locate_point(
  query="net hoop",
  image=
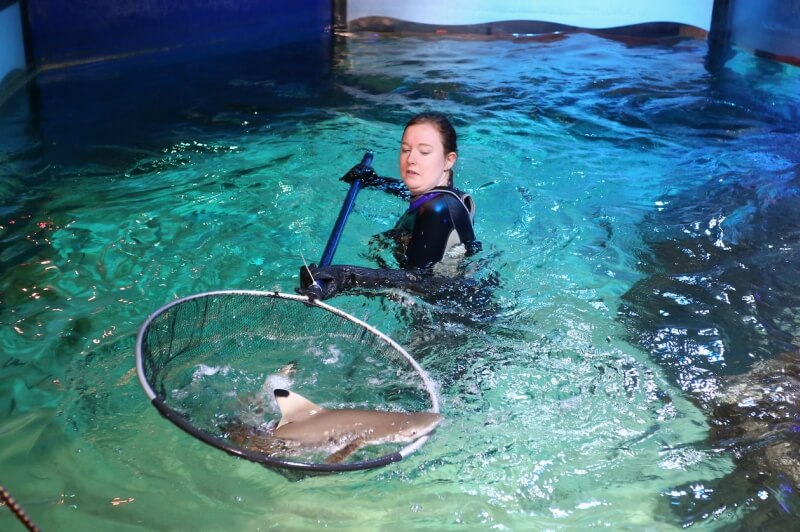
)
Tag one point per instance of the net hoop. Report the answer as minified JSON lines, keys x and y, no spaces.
{"x":262,"y":458}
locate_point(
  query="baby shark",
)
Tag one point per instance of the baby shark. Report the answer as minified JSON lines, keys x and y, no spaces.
{"x":307,"y":426}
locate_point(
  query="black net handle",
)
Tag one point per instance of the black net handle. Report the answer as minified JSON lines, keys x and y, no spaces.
{"x":356,"y":174}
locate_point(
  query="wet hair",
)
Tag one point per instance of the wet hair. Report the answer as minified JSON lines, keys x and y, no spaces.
{"x":446,"y":131}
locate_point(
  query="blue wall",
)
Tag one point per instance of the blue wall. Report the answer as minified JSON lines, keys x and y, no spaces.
{"x":63,"y":32}
{"x":78,"y":31}
{"x":12,"y":50}
{"x":142,"y":72}
{"x":769,"y":27}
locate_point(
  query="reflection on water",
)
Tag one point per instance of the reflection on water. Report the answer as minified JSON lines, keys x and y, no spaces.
{"x":638,"y":216}
{"x":718,"y":308}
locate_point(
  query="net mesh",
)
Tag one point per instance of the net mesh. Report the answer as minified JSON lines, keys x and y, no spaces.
{"x":212,"y":361}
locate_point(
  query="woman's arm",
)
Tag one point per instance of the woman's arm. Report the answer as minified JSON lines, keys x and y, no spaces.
{"x":392,"y":186}
{"x":334,"y":279}
{"x":370,"y":179}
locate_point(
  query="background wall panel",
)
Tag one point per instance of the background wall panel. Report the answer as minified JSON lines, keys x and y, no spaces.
{"x":12,"y":49}
{"x":65,"y":31}
{"x":580,"y":13}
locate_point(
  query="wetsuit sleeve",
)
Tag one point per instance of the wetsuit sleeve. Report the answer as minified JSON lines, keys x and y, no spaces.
{"x":337,"y":278}
{"x":433,"y":226}
{"x":391,"y":185}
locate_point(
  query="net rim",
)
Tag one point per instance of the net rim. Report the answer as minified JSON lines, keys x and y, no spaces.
{"x":256,"y":456}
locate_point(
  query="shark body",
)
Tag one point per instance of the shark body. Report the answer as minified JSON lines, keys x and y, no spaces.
{"x":340,"y":432}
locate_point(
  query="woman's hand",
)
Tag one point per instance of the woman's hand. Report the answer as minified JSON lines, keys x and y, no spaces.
{"x":320,"y":283}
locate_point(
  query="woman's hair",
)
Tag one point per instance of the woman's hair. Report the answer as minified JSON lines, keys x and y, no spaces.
{"x":445,"y":129}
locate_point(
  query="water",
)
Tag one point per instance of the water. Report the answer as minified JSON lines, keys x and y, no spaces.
{"x":638,"y":216}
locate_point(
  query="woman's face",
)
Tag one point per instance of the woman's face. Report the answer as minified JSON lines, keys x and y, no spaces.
{"x":423,"y":162}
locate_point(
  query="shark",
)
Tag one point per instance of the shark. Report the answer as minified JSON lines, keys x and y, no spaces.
{"x":306,"y":426}
{"x":253,"y":408}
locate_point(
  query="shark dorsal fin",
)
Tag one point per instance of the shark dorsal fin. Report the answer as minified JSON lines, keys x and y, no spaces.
{"x":294,"y":407}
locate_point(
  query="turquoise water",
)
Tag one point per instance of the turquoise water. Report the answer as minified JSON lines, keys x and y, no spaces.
{"x":638,"y":216}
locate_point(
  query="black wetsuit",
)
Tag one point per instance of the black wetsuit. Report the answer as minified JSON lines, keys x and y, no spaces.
{"x":433,"y":223}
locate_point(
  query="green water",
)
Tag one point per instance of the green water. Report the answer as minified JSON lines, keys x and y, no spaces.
{"x":553,"y":419}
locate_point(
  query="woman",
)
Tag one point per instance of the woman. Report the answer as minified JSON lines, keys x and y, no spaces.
{"x":439,"y":216}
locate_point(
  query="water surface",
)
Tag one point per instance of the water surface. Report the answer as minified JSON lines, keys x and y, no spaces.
{"x":639,"y":228}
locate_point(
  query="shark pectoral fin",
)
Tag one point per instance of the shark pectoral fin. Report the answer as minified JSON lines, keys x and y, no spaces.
{"x":344,"y":452}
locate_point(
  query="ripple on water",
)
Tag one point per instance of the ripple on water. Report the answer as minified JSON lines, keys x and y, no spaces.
{"x":599,"y":169}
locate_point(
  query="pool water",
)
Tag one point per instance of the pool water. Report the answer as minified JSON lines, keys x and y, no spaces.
{"x":640,"y":233}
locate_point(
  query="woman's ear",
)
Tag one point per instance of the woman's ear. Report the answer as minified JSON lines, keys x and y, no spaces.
{"x":450,"y":160}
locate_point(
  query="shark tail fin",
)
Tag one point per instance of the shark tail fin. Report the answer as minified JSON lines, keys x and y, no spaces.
{"x":294,"y":407}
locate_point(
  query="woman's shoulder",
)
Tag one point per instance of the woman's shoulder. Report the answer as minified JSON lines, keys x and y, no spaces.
{"x":451,"y":194}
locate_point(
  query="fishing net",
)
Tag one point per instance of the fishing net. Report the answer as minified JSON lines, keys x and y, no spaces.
{"x":209,"y":363}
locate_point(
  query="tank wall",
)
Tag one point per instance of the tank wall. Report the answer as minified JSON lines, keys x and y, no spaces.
{"x":771,"y":27}
{"x":579,"y":13}
{"x":69,"y":31}
{"x":12,"y":49}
